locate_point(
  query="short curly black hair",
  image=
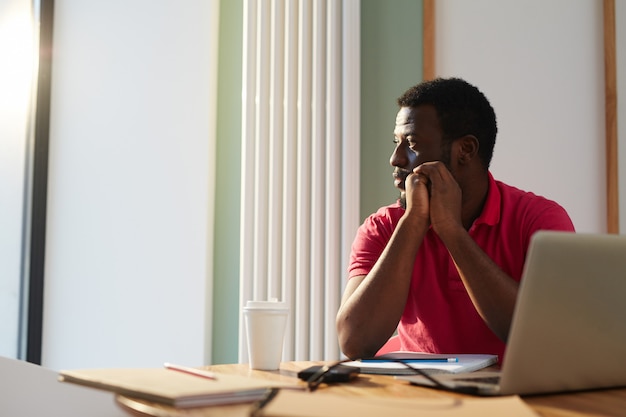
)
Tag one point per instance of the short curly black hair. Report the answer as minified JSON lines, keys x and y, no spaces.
{"x":462,"y":110}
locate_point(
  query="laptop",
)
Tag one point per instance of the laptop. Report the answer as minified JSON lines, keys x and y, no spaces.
{"x":569,"y":326}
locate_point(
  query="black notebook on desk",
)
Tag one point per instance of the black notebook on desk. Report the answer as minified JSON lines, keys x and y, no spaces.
{"x":569,"y":326}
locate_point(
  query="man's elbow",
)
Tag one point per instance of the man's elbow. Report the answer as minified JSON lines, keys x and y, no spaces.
{"x":350,"y":349}
{"x":350,"y":343}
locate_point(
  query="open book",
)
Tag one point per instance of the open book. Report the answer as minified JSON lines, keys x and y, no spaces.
{"x":388,"y":364}
{"x":174,"y":388}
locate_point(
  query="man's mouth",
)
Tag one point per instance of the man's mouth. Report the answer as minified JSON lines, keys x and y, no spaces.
{"x":399,"y":175}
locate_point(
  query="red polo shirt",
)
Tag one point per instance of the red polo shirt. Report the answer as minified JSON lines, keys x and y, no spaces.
{"x":439,"y":315}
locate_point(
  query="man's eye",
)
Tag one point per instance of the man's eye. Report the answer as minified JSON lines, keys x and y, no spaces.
{"x":409,"y":141}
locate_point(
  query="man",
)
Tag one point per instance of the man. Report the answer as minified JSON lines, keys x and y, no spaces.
{"x":442,"y":266}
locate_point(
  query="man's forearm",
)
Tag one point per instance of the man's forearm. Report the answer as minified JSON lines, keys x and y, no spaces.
{"x":492,"y":291}
{"x":373,"y":305}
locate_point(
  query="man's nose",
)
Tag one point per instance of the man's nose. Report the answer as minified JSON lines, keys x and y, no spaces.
{"x":401,"y":157}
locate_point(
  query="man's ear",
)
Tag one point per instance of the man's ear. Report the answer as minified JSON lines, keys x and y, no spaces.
{"x":467,"y":149}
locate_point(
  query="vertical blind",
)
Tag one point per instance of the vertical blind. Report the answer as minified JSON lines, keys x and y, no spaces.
{"x":300,"y":146}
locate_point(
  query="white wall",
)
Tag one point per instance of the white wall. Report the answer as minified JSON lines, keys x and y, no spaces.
{"x":16,"y":71}
{"x":130,"y":209}
{"x":541,"y":65}
{"x":130,"y":214}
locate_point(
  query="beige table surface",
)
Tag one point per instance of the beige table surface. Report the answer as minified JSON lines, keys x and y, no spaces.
{"x":611,"y":402}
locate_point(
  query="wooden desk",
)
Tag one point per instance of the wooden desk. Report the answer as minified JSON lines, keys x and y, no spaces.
{"x":604,"y":403}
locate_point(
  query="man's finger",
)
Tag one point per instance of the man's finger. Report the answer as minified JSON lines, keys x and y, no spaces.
{"x":431,"y":169}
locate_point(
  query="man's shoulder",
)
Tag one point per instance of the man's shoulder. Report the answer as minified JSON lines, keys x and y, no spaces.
{"x":520,"y":205}
{"x":385,"y":218}
{"x":392,"y":211}
{"x":517,"y":195}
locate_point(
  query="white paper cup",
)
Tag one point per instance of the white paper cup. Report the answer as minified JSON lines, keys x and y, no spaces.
{"x":265,"y":329}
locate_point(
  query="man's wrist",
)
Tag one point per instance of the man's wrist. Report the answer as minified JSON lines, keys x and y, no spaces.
{"x":414,"y":222}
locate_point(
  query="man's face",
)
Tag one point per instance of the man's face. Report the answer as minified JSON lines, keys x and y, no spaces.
{"x":418,"y":139}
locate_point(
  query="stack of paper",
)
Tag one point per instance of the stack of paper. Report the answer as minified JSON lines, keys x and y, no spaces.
{"x":174,"y":388}
{"x":455,"y":363}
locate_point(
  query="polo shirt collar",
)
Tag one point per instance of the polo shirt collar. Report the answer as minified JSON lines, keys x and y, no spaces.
{"x":491,"y":211}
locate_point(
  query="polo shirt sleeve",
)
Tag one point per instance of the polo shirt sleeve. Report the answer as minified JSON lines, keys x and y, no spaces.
{"x":551,"y":216}
{"x":372,"y":238}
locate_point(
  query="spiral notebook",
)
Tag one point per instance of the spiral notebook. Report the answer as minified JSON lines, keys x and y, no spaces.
{"x":388,"y":364}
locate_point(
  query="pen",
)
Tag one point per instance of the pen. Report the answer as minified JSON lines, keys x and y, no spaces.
{"x":190,"y":371}
{"x":417,"y":360}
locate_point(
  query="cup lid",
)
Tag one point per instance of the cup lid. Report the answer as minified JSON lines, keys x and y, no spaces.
{"x":271,"y":304}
